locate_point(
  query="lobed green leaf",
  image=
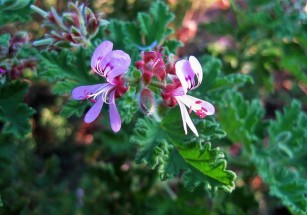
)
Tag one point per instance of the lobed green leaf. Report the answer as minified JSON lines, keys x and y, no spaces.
{"x":285,"y":172}
{"x":13,"y":112}
{"x":164,"y":147}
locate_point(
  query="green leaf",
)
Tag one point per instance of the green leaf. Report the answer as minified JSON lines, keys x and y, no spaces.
{"x":127,"y":105}
{"x":160,"y":17}
{"x":1,"y":203}
{"x":165,"y":147}
{"x":141,"y":33}
{"x":285,"y":172}
{"x":172,"y":45}
{"x":66,"y":69}
{"x":293,"y":60}
{"x":11,"y":11}
{"x":241,"y":119}
{"x":13,"y":112}
{"x":4,"y":40}
{"x":210,"y":165}
{"x":73,"y":107}
{"x":116,"y":29}
{"x":215,"y":80}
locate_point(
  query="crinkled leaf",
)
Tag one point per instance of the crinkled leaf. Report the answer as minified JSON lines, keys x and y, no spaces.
{"x":73,"y":107}
{"x":11,"y":11}
{"x":66,"y":69}
{"x":127,"y":105}
{"x":172,"y":45}
{"x":285,"y":172}
{"x":294,"y":61}
{"x":215,"y":80}
{"x":241,"y":119}
{"x":160,"y":17}
{"x":13,"y":112}
{"x":139,"y":35}
{"x":165,"y":147}
{"x":4,"y":40}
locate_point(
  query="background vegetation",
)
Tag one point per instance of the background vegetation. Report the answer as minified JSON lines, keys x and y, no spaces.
{"x":253,"y":54}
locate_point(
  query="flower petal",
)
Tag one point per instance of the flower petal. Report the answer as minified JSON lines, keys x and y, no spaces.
{"x":186,"y":118}
{"x":93,"y":113}
{"x":115,"y":119}
{"x":182,"y":73}
{"x":197,"y":69}
{"x":178,"y":92}
{"x":114,"y":64}
{"x":80,"y":93}
{"x":100,"y":52}
{"x":186,"y":71}
{"x":191,"y":101}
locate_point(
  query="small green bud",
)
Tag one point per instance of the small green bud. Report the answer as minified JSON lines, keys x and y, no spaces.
{"x":147,"y":102}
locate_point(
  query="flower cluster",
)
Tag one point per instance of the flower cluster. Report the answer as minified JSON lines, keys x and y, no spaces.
{"x":11,"y":66}
{"x":174,"y":79}
{"x":74,"y":28}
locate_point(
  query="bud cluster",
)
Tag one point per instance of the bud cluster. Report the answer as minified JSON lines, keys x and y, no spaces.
{"x":11,"y":67}
{"x":156,"y":69}
{"x":74,"y":28}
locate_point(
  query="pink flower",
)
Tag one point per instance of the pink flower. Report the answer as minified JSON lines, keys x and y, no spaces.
{"x":187,"y":71}
{"x":110,"y":65}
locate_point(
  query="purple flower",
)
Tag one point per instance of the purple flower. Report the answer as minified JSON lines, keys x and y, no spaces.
{"x":110,"y":65}
{"x":187,"y":71}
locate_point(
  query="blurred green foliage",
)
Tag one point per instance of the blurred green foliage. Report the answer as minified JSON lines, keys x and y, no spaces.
{"x":67,"y":167}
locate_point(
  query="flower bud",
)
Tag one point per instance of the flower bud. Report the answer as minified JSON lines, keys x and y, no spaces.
{"x":149,"y":56}
{"x":19,"y":39}
{"x":54,"y":18}
{"x":166,"y":94}
{"x":89,"y":15}
{"x":170,"y":69}
{"x":73,"y":6}
{"x":75,"y":31}
{"x":3,"y":51}
{"x":139,"y":64}
{"x":29,"y":63}
{"x":147,"y":76}
{"x":147,"y":102}
{"x":122,"y":88}
{"x":71,"y":19}
{"x":92,"y":27}
{"x":16,"y":72}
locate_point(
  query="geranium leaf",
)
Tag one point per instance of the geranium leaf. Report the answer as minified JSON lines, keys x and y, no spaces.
{"x":13,"y":112}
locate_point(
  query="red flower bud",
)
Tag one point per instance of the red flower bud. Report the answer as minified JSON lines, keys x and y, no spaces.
{"x":71,"y":19}
{"x":19,"y":38}
{"x":170,"y":69}
{"x":92,"y":26}
{"x":121,"y":87}
{"x":149,"y":56}
{"x":54,"y":18}
{"x":139,"y":64}
{"x":89,"y":15}
{"x":147,"y":76}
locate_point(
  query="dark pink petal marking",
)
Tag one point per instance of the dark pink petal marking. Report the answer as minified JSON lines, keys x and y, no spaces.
{"x":100,"y":52}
